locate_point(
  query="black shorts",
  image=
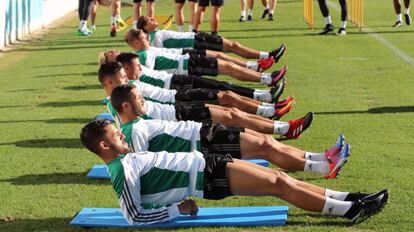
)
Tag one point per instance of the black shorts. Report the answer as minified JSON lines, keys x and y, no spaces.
{"x":182,"y":1}
{"x":194,"y":112}
{"x":208,"y":41}
{"x":136,"y":1}
{"x":213,"y":2}
{"x":216,"y":183}
{"x":220,"y":139}
{"x":201,"y":52}
{"x":201,"y":65}
{"x":197,"y":96}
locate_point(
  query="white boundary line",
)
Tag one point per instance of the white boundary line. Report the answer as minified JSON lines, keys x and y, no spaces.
{"x":382,"y":40}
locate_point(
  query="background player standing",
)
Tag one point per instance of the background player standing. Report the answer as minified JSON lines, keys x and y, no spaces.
{"x":329,"y":26}
{"x":397,"y":8}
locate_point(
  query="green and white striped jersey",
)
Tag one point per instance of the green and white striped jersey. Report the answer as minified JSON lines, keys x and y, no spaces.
{"x":157,"y":78}
{"x":154,"y":93}
{"x":156,"y":178}
{"x":165,"y":59}
{"x":171,"y":39}
{"x":158,"y":135}
{"x":153,"y":110}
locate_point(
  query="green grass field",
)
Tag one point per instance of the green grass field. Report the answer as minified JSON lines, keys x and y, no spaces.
{"x":355,"y":84}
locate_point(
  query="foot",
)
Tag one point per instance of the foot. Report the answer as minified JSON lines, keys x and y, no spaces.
{"x":242,"y":19}
{"x":120,"y":24}
{"x":397,"y":24}
{"x":282,"y":108}
{"x":341,"y":31}
{"x":270,"y":18}
{"x":278,"y":75}
{"x":249,"y":18}
{"x":335,"y":149}
{"x":355,"y":196}
{"x":92,"y":29}
{"x":367,"y":207}
{"x":338,"y":161}
{"x":265,"y":64}
{"x":296,"y":127}
{"x":83,"y":32}
{"x":113,"y":30}
{"x":407,"y":18}
{"x":328,"y":28}
{"x":277,"y":91}
{"x":278,"y":53}
{"x":265,"y":12}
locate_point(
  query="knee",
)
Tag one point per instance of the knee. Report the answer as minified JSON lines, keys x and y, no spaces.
{"x":227,"y":95}
{"x":235,"y":45}
{"x":235,"y":113}
{"x":284,"y":185}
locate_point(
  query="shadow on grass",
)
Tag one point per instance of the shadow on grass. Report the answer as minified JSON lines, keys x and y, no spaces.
{"x":71,"y":103}
{"x":377,"y":110}
{"x":21,"y":90}
{"x":68,"y":74}
{"x":55,"y":178}
{"x":47,"y":143}
{"x":82,"y":87}
{"x":58,"y":48}
{"x":54,"y":120}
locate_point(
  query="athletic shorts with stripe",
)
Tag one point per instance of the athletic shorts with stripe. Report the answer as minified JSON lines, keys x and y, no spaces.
{"x":213,"y":2}
{"x":194,"y":112}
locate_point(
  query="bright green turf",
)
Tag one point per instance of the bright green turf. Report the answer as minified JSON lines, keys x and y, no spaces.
{"x":354,"y":84}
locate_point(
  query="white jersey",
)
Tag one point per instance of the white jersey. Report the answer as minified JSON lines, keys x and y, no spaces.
{"x":156,"y":178}
{"x":165,"y":59}
{"x":171,"y":39}
{"x":161,"y":79}
{"x":154,"y":93}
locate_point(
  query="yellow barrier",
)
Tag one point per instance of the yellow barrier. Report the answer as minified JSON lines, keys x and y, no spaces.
{"x":356,"y":12}
{"x":308,"y":12}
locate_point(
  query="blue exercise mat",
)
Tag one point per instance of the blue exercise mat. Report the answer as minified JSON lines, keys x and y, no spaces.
{"x":99,"y":171}
{"x":106,"y":116}
{"x":226,"y":216}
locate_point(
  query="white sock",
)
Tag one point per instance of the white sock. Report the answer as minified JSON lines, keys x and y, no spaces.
{"x":315,"y":156}
{"x":267,"y":6}
{"x":335,"y":207}
{"x":190,"y":28}
{"x":399,"y":17}
{"x":343,"y":24}
{"x":407,"y":11}
{"x":134,"y":25}
{"x":265,"y":111}
{"x":340,"y":196}
{"x":271,"y":12}
{"x":113,"y":20}
{"x":81,"y":23}
{"x":262,"y":96}
{"x":92,"y":27}
{"x":268,"y":104}
{"x":264,"y":55}
{"x":180,"y":28}
{"x":253,"y":65}
{"x":280,"y":128}
{"x":328,"y":20}
{"x":243,"y":14}
{"x":117,"y":17}
{"x":250,"y":12}
{"x":321,"y":167}
{"x":266,"y":79}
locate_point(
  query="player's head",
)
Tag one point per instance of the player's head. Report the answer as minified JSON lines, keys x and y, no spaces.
{"x":131,"y":65}
{"x":128,"y":101}
{"x":137,"y":39}
{"x":108,"y":56}
{"x":102,"y":138}
{"x":147,"y":24}
{"x":111,"y":75}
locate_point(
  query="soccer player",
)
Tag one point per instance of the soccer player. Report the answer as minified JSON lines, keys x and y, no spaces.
{"x":270,"y":9}
{"x":215,"y":15}
{"x":397,"y":8}
{"x":179,"y":14}
{"x":83,"y":12}
{"x":243,"y":4}
{"x":200,"y":40}
{"x":157,"y":135}
{"x":169,"y":178}
{"x":112,"y":75}
{"x":197,"y":62}
{"x":137,"y":10}
{"x":329,"y":26}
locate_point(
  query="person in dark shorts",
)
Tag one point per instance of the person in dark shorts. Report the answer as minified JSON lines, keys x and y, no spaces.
{"x":179,"y":14}
{"x":167,"y":179}
{"x":215,"y":15}
{"x":137,"y":10}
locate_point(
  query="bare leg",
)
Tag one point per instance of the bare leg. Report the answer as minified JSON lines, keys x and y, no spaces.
{"x":215,"y":19}
{"x":264,"y":3}
{"x":236,"y":48}
{"x":179,"y":14}
{"x":193,"y":11}
{"x":137,"y":11}
{"x":150,"y":9}
{"x":284,"y":156}
{"x":406,"y":4}
{"x":222,"y":56}
{"x":272,"y":5}
{"x":397,"y":6}
{"x":231,"y":99}
{"x":116,"y":7}
{"x":240,"y":73}
{"x":93,"y":9}
{"x":198,"y":17}
{"x":249,"y":180}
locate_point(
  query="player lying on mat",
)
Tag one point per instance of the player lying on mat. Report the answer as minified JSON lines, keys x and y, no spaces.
{"x":158,"y":135}
{"x":201,"y":40}
{"x":169,"y":178}
{"x":196,"y":62}
{"x":162,"y":79}
{"x":112,"y":75}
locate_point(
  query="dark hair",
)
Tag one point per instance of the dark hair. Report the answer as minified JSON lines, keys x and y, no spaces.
{"x":132,"y":35}
{"x":92,"y":133}
{"x":108,"y":69}
{"x":126,"y":58}
{"x":121,"y":94}
{"x":142,"y":22}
